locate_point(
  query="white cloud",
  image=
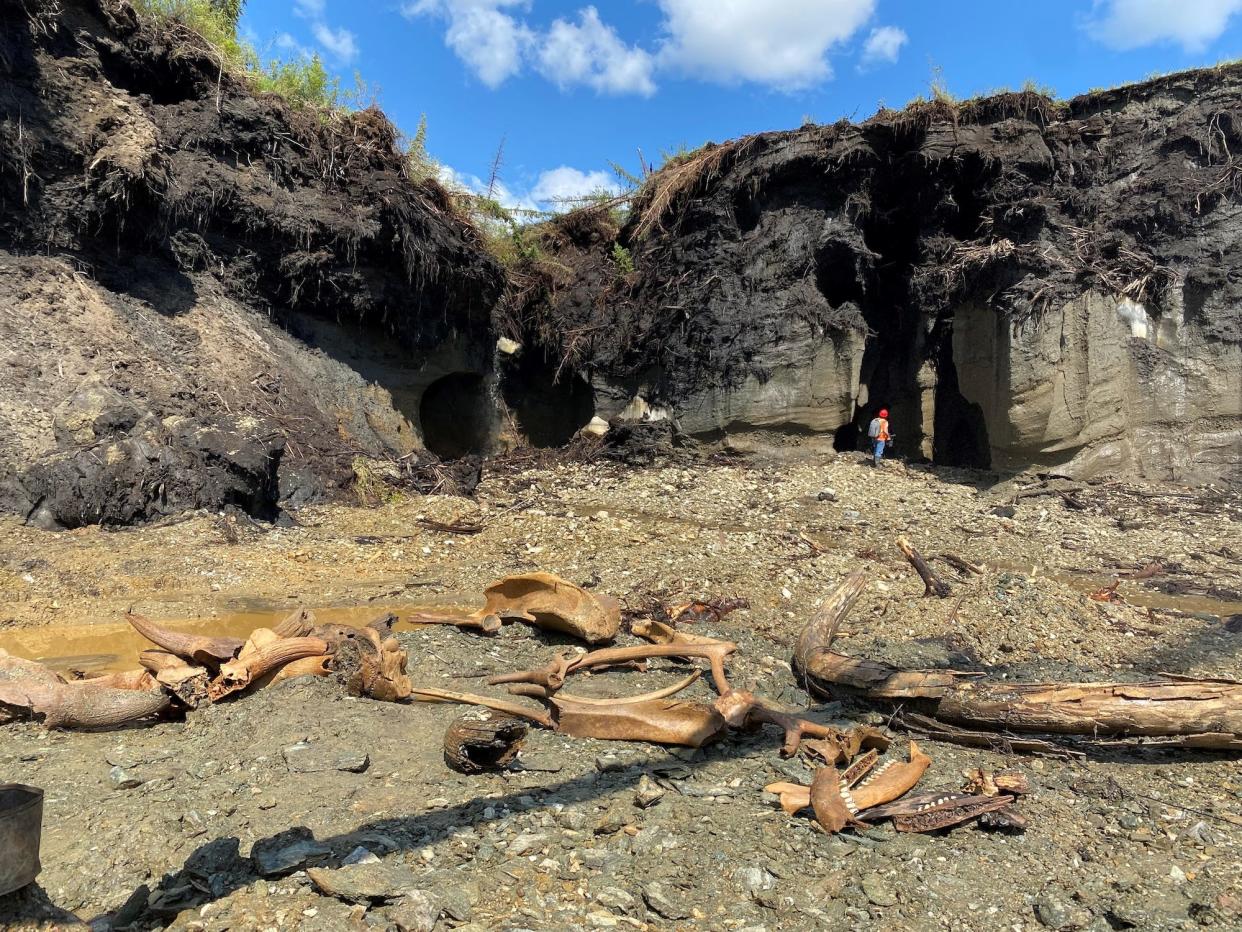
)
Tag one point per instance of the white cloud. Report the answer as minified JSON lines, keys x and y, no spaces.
{"x":454,"y":180}
{"x":287,"y":43}
{"x":554,"y":190}
{"x":782,"y":43}
{"x":591,"y":53}
{"x":491,"y":42}
{"x":778,"y":43}
{"x":560,"y":187}
{"x":1131,"y":24}
{"x":339,"y":43}
{"x":310,"y":9}
{"x":883,"y":46}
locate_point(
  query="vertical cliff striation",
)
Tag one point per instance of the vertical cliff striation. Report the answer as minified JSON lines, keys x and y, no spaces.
{"x":1024,"y":283}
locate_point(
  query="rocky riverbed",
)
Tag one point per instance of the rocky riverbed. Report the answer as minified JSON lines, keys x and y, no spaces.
{"x":302,"y":808}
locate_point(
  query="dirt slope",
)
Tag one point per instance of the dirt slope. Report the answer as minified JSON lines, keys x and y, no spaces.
{"x":1023,"y":282}
{"x":206,"y":298}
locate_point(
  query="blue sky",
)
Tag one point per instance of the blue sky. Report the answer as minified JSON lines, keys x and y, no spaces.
{"x":569,"y":86}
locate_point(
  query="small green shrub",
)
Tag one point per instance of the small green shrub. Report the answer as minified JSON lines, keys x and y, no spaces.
{"x":623,"y":259}
{"x":939,"y":87}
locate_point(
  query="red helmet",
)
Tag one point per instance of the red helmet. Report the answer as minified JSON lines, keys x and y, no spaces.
{"x":884,"y":412}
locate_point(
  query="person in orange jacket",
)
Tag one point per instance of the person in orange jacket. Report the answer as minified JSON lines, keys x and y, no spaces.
{"x":880,"y":436}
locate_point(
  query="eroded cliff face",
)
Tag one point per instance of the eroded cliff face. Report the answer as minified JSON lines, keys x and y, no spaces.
{"x":207,"y":298}
{"x":1022,"y":283}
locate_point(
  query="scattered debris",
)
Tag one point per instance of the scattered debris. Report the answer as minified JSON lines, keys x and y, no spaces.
{"x":933,"y":584}
{"x":1108,"y":593}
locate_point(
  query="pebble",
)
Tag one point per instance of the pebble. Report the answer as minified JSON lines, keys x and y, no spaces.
{"x":527,"y":844}
{"x":878,"y":891}
{"x":648,"y":793}
{"x":372,"y":882}
{"x":123,"y":779}
{"x":273,"y":857}
{"x":414,"y":912}
{"x":664,"y":901}
{"x":1051,"y":912}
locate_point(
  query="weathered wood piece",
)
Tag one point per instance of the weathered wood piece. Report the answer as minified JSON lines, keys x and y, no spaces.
{"x":1210,"y":711}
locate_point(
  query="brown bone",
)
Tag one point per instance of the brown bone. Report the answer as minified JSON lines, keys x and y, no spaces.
{"x":544,"y":600}
{"x":716,"y":654}
{"x":742,"y":709}
{"x":660,"y":721}
{"x":831,"y":811}
{"x":195,"y":647}
{"x":307,"y":666}
{"x":536,"y":691}
{"x":551,"y":676}
{"x":257,"y":661}
{"x":431,"y":694}
{"x":29,"y":690}
{"x":950,"y":812}
{"x":658,"y":632}
{"x":297,"y":625}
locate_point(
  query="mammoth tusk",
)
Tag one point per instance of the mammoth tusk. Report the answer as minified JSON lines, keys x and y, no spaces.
{"x":193,"y":647}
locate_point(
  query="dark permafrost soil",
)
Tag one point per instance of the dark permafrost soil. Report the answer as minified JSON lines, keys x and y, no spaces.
{"x":171,"y":824}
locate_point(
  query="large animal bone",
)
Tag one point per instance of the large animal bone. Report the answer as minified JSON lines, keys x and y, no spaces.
{"x":482,"y":739}
{"x":658,"y":632}
{"x":742,"y":709}
{"x":194,"y":647}
{"x":836,"y":799}
{"x":127,"y":679}
{"x":367,"y":662}
{"x":550,"y":676}
{"x":262,"y":654}
{"x":536,"y":691}
{"x":660,"y":721}
{"x":29,"y":690}
{"x":1207,"y":710}
{"x":715,"y":653}
{"x":431,"y":694}
{"x":544,"y":600}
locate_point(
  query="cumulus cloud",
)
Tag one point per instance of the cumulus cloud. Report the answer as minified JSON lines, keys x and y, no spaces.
{"x":495,"y":44}
{"x":778,"y":43}
{"x":1131,"y":24}
{"x":554,"y":190}
{"x":591,"y":53}
{"x":883,"y":46}
{"x":782,"y":43}
{"x":561,"y":187}
{"x":490,"y":41}
{"x":339,"y":43}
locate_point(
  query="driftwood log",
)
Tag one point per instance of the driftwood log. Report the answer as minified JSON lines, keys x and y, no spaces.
{"x":932,"y":584}
{"x":1205,"y":711}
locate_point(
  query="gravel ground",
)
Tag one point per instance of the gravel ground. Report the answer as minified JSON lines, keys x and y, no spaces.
{"x":348,"y":807}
